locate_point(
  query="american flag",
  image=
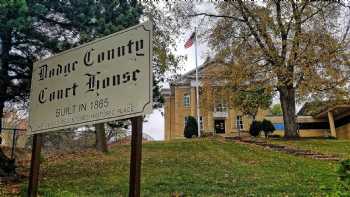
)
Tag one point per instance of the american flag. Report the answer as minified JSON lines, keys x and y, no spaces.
{"x":190,"y":41}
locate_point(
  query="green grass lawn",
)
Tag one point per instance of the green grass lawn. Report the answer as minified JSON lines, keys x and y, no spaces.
{"x":327,"y":146}
{"x":205,"y":167}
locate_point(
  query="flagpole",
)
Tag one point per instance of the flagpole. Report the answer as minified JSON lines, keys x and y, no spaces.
{"x":197,"y":84}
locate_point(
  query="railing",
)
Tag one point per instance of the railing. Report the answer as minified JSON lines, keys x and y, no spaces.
{"x":15,"y":135}
{"x":220,"y":111}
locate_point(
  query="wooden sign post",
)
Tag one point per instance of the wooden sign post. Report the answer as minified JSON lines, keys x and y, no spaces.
{"x":136,"y":157}
{"x":35,"y":166}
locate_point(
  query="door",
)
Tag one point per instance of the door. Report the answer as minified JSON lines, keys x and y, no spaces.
{"x":219,"y":126}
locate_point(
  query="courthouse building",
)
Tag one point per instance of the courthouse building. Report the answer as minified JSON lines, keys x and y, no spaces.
{"x":217,"y":117}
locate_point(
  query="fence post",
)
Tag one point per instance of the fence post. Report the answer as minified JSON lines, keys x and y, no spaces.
{"x":13,"y":143}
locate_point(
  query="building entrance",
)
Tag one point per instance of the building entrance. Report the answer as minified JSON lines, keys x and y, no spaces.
{"x":219,"y":126}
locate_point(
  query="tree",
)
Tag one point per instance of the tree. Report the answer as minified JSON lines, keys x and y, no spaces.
{"x":191,"y":128}
{"x":276,"y":110}
{"x":297,"y":48}
{"x":255,"y":128}
{"x":267,"y":127}
{"x":166,"y":30}
{"x":250,"y":101}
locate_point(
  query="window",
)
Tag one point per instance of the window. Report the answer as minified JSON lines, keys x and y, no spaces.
{"x":185,"y":122}
{"x":187,"y":100}
{"x":239,"y":122}
{"x":220,"y":107}
{"x":201,"y":123}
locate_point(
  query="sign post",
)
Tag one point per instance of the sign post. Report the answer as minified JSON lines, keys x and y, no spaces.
{"x":35,"y":166}
{"x":135,"y":159}
{"x":104,"y":80}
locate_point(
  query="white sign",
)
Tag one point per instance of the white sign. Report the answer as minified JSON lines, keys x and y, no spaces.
{"x":107,"y":79}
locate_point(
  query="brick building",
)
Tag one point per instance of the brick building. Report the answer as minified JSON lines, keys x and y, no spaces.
{"x":215,"y":117}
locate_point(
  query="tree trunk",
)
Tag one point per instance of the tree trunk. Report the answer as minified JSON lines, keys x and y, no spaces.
{"x":7,"y":166}
{"x":287,"y":98}
{"x":101,"y":143}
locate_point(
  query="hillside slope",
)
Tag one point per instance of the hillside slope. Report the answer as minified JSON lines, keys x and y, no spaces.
{"x":193,"y":167}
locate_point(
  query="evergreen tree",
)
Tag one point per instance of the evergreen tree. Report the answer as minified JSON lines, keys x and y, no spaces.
{"x":267,"y":127}
{"x":255,"y":128}
{"x":191,"y":127}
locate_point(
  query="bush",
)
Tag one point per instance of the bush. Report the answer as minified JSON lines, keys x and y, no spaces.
{"x":344,"y":174}
{"x":267,"y":127}
{"x":191,"y":128}
{"x":255,"y":128}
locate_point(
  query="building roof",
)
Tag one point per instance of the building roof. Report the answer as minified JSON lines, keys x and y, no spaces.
{"x":319,"y":109}
{"x":186,"y":78}
{"x":312,"y":108}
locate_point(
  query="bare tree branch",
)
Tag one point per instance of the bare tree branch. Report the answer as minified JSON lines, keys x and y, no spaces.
{"x":255,"y":34}
{"x":297,"y":32}
{"x":217,"y":16}
{"x":315,"y":13}
{"x":284,"y":33}
{"x":262,"y":32}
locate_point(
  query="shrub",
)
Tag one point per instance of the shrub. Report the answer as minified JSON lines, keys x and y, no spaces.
{"x":191,"y":128}
{"x":255,"y":128}
{"x":344,"y":174}
{"x":267,"y":127}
